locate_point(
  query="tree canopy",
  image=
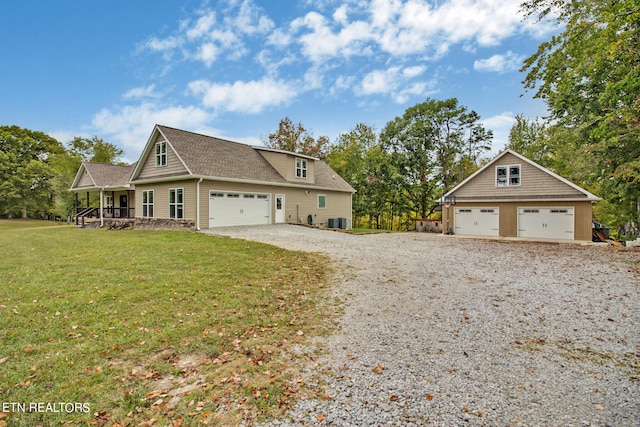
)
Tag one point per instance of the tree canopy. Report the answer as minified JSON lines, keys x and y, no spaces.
{"x":26,"y":171}
{"x":295,"y":138}
{"x":36,"y":171}
{"x":589,"y":76}
{"x":433,"y":146}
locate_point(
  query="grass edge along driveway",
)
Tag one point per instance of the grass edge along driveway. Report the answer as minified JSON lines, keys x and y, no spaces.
{"x":133,"y":327}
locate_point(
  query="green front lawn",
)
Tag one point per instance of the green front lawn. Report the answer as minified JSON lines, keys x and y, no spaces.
{"x":142,"y":325}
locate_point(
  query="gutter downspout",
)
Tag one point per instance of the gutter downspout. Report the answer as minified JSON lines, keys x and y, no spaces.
{"x":101,"y":197}
{"x":198,"y":204}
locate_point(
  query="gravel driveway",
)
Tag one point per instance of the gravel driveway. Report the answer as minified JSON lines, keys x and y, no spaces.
{"x":448,"y":331}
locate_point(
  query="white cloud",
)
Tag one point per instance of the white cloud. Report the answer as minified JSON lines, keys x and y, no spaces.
{"x":340,"y":15}
{"x":250,"y":21}
{"x":142,"y":92}
{"x":279,"y":38}
{"x":202,"y":27}
{"x":320,"y":43}
{"x":501,"y":126}
{"x":209,"y":37}
{"x":414,"y":71}
{"x":130,"y":126}
{"x":380,"y":81}
{"x":207,"y":53}
{"x":246,"y":97}
{"x":500,"y":63}
{"x":396,"y":82}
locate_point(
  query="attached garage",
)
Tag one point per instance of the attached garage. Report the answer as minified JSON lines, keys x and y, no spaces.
{"x":477,"y":221}
{"x":235,"y":208}
{"x":547,"y":223}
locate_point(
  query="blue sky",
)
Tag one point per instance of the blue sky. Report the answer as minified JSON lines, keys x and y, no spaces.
{"x":235,"y":68}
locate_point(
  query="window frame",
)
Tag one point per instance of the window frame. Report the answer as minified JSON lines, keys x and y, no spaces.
{"x":505,"y":178}
{"x":147,"y":203}
{"x":161,"y":154}
{"x":301,"y":168}
{"x":324,"y":198}
{"x":176,"y":208}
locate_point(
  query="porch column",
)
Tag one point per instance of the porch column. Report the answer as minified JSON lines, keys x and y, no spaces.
{"x":198,"y":204}
{"x":75,"y":209}
{"x":128,"y":204}
{"x":88,"y":205}
{"x":101,"y":201}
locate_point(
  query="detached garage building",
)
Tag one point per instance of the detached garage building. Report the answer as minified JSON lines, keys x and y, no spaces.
{"x":512,"y":196}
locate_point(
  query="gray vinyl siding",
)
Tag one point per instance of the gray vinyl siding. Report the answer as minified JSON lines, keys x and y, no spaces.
{"x":298,"y":203}
{"x":85,"y":181}
{"x":534,"y":183}
{"x":285,"y":164}
{"x":173,"y":167}
{"x":161,"y":198}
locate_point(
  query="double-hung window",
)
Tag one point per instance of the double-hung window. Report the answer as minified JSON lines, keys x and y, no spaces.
{"x":176,"y":203}
{"x":161,"y":154}
{"x":507,"y":176}
{"x":322,"y":201}
{"x":301,"y":168}
{"x":147,"y":204}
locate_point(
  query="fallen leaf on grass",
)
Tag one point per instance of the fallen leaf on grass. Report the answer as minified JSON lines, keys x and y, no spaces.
{"x":393,"y":398}
{"x":599,"y":407}
{"x":428,"y":396}
{"x":320,"y":417}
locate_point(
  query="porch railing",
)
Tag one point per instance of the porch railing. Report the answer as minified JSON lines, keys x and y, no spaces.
{"x":111,"y":212}
{"x":82,"y":213}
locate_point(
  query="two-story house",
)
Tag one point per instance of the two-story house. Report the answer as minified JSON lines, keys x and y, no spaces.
{"x":196,"y":181}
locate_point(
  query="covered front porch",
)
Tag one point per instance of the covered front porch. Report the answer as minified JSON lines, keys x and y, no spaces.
{"x":107,"y":193}
{"x":110,"y":204}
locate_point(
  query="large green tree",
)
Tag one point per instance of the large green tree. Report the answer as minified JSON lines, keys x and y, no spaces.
{"x":295,"y":138}
{"x":589,"y":76}
{"x":26,"y":172}
{"x":94,"y":150}
{"x":433,"y":146}
{"x":348,"y":157}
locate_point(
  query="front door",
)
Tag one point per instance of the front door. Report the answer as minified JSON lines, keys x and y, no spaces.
{"x":123,"y":206}
{"x":280,"y":208}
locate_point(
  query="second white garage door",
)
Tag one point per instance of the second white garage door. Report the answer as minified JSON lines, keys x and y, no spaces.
{"x":231,"y":208}
{"x":477,"y":221}
{"x":548,"y":223}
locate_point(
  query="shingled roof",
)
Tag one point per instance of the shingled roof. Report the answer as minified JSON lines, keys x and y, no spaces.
{"x":102,"y":175}
{"x":216,"y":158}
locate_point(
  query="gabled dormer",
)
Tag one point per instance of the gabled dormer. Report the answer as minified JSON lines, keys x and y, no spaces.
{"x":295,"y":168}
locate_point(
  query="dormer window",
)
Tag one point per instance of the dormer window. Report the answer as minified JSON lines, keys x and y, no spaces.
{"x":161,"y":153}
{"x":508,"y":176}
{"x":301,"y":168}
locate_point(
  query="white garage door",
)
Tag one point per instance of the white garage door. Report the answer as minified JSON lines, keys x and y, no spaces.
{"x":232,"y":208}
{"x":550,"y":223}
{"x":477,"y":221}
